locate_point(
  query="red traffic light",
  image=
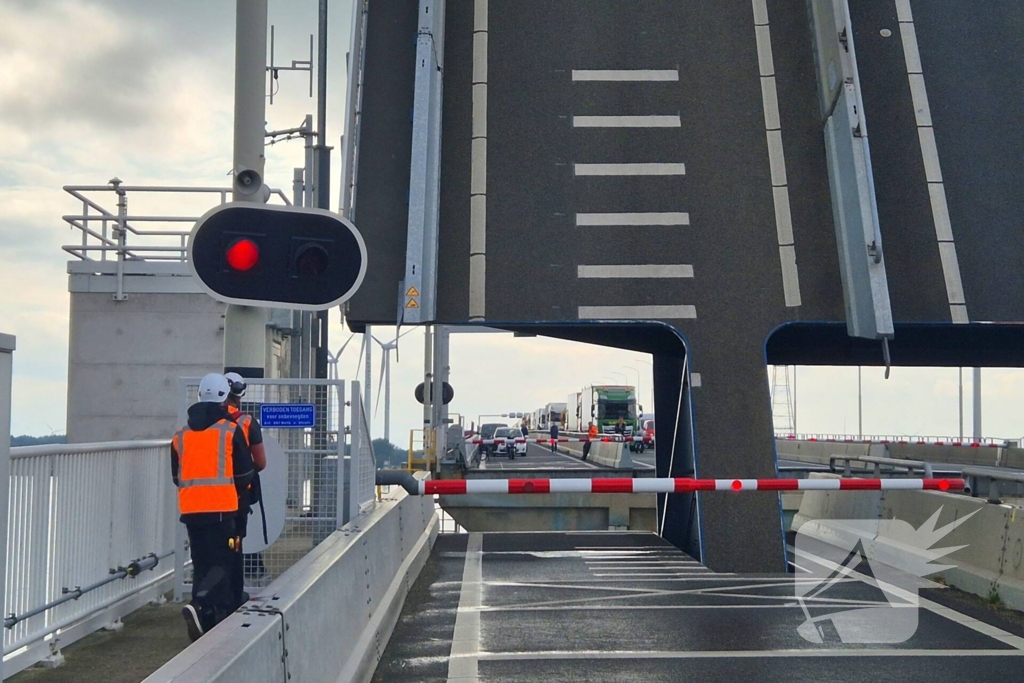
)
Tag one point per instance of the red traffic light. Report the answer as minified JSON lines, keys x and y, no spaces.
{"x":243,"y":254}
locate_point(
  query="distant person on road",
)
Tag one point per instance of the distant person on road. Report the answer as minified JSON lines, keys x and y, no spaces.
{"x":554,"y":436}
{"x":620,"y":427}
{"x":591,"y":437}
{"x":212,"y":467}
{"x":525,"y":430}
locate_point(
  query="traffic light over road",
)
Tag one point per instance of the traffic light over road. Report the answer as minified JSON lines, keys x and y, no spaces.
{"x":277,"y":256}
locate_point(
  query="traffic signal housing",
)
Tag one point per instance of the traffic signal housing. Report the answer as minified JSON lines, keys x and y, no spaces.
{"x":277,"y":256}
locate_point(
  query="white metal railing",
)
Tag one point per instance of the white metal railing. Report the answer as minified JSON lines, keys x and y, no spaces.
{"x":120,"y":235}
{"x":363,"y":465}
{"x":897,"y":439}
{"x":78,"y":514}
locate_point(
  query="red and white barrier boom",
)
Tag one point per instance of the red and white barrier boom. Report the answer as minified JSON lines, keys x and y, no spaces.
{"x":607,"y":439}
{"x":450,"y":487}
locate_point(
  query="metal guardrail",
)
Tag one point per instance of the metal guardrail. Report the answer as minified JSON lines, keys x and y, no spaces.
{"x":76,"y":513}
{"x":900,"y":440}
{"x":991,"y":476}
{"x":105,"y":232}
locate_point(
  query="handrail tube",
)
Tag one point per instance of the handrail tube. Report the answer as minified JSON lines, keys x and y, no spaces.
{"x":64,"y":623}
{"x":401,"y":478}
{"x":78,"y":448}
{"x":134,"y":568}
{"x":1017,"y":477}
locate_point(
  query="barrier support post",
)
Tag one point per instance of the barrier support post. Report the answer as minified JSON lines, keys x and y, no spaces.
{"x":7,"y":345}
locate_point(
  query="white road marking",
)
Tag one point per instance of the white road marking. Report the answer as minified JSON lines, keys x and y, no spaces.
{"x":463,"y":665}
{"x":684,"y":312}
{"x":626,"y":122}
{"x":738,"y":654}
{"x":625,"y":74}
{"x":932,"y":167}
{"x":581,"y":608}
{"x":630,"y":169}
{"x":478,"y":168}
{"x":776,"y":155}
{"x":575,"y":460}
{"x":934,"y":607}
{"x":638,"y":271}
{"x":651,"y":218}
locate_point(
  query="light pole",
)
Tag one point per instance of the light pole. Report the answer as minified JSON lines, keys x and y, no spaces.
{"x":620,"y":374}
{"x":649,"y":363}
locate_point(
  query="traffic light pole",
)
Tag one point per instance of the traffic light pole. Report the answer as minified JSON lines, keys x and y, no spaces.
{"x":245,"y":326}
{"x":322,"y":166}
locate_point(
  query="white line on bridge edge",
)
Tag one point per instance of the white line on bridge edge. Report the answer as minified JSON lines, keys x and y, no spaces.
{"x":625,"y":74}
{"x":932,"y":168}
{"x":647,"y":218}
{"x":776,"y":155}
{"x":684,"y":312}
{"x":478,"y":168}
{"x":626,"y":122}
{"x":463,"y":664}
{"x":637,"y":271}
{"x":630,"y":169}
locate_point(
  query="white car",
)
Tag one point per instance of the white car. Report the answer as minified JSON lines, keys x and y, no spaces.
{"x":510,"y":434}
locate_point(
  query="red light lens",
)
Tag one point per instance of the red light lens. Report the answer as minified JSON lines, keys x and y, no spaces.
{"x":243,"y":255}
{"x":737,"y":485}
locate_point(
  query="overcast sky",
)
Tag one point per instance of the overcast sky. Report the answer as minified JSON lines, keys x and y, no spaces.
{"x":143,"y":90}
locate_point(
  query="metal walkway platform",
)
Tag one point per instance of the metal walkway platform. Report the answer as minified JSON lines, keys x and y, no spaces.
{"x":611,"y":606}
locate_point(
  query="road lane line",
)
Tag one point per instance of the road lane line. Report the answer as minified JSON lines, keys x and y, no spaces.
{"x":776,"y":155}
{"x":625,"y":74}
{"x":738,"y":654}
{"x":932,"y":167}
{"x":478,"y":168}
{"x":637,"y":271}
{"x":640,"y":218}
{"x":630,"y":169}
{"x":462,"y":664}
{"x":684,"y":312}
{"x":626,"y":122}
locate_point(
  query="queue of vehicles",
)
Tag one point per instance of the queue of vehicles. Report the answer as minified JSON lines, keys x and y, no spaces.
{"x":613,"y":409}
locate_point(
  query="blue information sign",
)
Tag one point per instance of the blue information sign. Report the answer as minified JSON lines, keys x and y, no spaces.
{"x":287,"y":415}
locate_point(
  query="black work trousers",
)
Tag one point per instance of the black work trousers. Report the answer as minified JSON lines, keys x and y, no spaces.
{"x":216,"y":571}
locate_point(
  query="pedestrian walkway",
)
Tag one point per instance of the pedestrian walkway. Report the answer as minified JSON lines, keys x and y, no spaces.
{"x":151,"y":636}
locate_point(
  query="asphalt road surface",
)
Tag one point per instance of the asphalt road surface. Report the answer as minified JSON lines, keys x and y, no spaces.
{"x":612,"y":607}
{"x":538,"y":457}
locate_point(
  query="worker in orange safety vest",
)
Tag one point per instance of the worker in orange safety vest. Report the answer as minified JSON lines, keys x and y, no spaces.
{"x":212,"y":467}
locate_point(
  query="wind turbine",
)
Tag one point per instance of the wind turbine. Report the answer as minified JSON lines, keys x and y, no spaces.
{"x":385,"y":377}
{"x":332,"y":359}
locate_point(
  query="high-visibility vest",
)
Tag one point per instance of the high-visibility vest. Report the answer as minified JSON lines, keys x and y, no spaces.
{"x":206,"y":480}
{"x":592,"y":432}
{"x":243,"y":420}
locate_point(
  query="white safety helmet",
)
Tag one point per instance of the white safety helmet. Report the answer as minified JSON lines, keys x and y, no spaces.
{"x":235,"y":383}
{"x":213,"y":388}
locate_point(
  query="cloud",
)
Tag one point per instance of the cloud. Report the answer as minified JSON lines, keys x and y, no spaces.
{"x":79,"y":63}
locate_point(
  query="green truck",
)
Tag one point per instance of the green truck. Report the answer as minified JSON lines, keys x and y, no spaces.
{"x":603,"y":405}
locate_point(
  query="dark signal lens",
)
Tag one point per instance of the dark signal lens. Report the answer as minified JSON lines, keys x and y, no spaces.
{"x":311,"y":260}
{"x":243,"y":255}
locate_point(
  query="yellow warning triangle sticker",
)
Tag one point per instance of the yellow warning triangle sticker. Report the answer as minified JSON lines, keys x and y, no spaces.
{"x":412,"y":292}
{"x":412,"y":304}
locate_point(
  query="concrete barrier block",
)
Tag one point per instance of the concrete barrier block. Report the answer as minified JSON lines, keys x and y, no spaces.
{"x":611,"y":454}
{"x":335,"y":609}
{"x":1011,"y":579}
{"x":1012,"y":457}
